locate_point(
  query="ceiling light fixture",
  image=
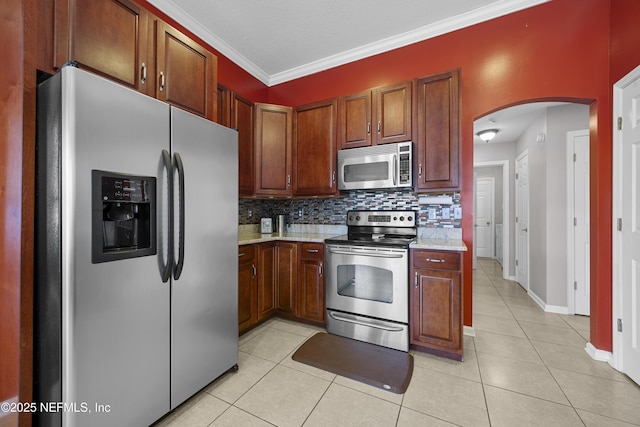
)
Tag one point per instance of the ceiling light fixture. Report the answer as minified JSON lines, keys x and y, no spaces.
{"x":487,"y":134}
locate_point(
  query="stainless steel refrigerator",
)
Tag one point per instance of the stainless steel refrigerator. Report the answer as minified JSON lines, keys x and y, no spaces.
{"x":136,"y":254}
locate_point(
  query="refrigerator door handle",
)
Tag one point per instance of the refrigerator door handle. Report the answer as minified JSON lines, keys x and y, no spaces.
{"x":167,"y":267}
{"x":179,"y":264}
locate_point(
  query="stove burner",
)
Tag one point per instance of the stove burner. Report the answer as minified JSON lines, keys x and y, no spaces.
{"x":379,"y":228}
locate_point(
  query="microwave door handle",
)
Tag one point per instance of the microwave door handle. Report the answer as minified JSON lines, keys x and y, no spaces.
{"x":395,"y":169}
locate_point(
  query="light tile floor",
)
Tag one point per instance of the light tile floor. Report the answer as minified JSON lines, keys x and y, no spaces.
{"x":524,"y":367}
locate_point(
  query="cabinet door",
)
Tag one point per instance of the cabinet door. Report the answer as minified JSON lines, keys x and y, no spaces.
{"x":393,"y":113}
{"x":311,"y":298}
{"x":266,"y":280}
{"x":273,"y":133}
{"x":242,"y":118}
{"x":224,"y":106}
{"x":436,"y":315}
{"x":314,"y":164}
{"x":355,"y":120}
{"x":287,"y":253}
{"x":247,"y":295}
{"x":185,"y":72}
{"x":438,"y":139}
{"x":109,"y":37}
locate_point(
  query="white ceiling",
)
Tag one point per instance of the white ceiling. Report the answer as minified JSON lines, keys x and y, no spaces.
{"x":281,"y":40}
{"x":510,"y":122}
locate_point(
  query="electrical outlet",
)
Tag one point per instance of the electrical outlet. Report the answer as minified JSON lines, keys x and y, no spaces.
{"x":249,"y":213}
{"x":457,"y":213}
{"x":432,"y":213}
{"x":446,"y":213}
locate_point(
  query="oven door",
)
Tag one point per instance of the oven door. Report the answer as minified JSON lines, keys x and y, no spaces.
{"x":369,"y":281}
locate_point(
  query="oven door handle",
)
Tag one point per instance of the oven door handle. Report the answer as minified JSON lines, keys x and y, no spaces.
{"x":368,"y":253}
{"x":370,"y":325}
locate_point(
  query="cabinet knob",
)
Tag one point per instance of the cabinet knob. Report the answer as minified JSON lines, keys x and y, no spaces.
{"x":419,"y":169}
{"x":415,"y":280}
{"x":368,"y":128}
{"x":379,"y":127}
{"x":161,"y":81}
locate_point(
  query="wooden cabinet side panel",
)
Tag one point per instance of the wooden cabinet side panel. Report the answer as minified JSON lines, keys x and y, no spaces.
{"x":355,"y":120}
{"x":242,"y":118}
{"x":109,"y":37}
{"x":438,"y":138}
{"x":393,"y":111}
{"x":266,"y":280}
{"x":186,"y":74}
{"x":315,"y":149}
{"x":273,"y":132}
{"x":287,"y":254}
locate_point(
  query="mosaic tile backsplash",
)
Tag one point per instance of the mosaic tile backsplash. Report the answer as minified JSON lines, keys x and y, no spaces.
{"x":333,"y":210}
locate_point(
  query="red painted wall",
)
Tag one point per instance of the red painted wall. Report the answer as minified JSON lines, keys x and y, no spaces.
{"x":557,"y":50}
{"x":625,"y":38}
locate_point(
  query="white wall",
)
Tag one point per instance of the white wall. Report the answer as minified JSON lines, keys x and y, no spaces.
{"x":548,"y":204}
{"x":560,"y":120}
{"x":537,"y":203}
{"x":496,"y":152}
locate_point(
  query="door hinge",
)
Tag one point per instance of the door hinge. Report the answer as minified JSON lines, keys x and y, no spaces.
{"x":517,"y":176}
{"x":516,"y":219}
{"x":619,"y":325}
{"x":575,"y":221}
{"x":516,"y":262}
{"x":575,"y":157}
{"x":619,"y":123}
{"x":619,"y":224}
{"x":575,"y":286}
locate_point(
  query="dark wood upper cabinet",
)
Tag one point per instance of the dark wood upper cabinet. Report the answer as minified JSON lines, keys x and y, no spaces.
{"x":393,"y":113}
{"x":242,"y":118}
{"x":185,"y":72}
{"x":355,"y":120}
{"x":315,"y":147}
{"x":378,"y":116}
{"x":273,"y":134}
{"x":108,"y":37}
{"x":438,"y":139}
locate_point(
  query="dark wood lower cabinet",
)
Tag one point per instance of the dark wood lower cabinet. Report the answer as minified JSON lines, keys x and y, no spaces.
{"x":266,"y":280}
{"x":247,"y":287}
{"x":311,"y":300}
{"x":284,"y":278}
{"x":436,"y":303}
{"x":286,"y":273}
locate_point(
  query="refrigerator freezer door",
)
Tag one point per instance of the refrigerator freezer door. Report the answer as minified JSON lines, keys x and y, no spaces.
{"x":204,"y":299}
{"x":115,"y":315}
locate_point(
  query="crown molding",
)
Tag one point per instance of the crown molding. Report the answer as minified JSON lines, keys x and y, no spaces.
{"x":491,"y":11}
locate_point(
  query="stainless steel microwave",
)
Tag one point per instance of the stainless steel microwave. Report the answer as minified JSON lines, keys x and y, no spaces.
{"x":378,"y":166}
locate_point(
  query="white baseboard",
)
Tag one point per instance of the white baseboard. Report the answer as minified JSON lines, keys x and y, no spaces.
{"x":536,"y":299}
{"x":469,"y":331}
{"x":600,"y":355}
{"x":512,"y":278}
{"x":558,"y":309}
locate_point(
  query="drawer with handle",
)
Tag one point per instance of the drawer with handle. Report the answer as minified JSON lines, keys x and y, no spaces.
{"x":246,"y":253}
{"x":435,"y":259}
{"x":310,"y":250}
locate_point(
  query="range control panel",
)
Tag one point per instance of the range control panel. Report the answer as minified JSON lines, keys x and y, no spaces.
{"x":381,"y":218}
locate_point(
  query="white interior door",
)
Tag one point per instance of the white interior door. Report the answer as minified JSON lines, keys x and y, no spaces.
{"x":579,"y":275}
{"x":627,"y":238}
{"x":484,"y":222}
{"x":522,"y":220}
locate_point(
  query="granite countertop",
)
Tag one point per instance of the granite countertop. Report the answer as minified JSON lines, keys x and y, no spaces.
{"x":248,"y":238}
{"x":439,"y":244}
{"x":437,"y":239}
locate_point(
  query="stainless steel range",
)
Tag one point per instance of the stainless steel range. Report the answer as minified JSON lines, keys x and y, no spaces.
{"x":367,"y":278}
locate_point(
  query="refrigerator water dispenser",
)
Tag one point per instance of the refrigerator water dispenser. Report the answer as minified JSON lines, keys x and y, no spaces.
{"x":123,"y":216}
